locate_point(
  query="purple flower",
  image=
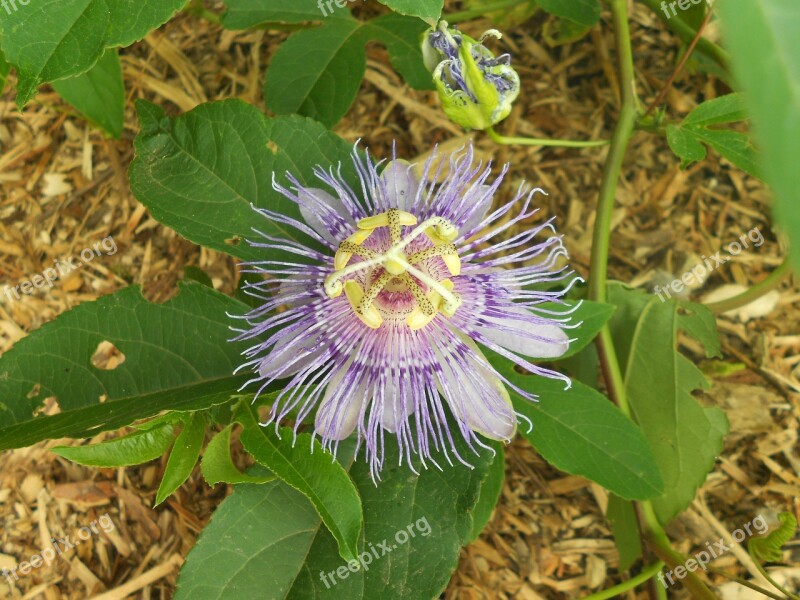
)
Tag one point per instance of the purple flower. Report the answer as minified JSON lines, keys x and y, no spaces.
{"x":381,"y":332}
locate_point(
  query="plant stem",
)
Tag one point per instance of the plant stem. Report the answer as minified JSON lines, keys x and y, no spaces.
{"x":479,"y":11}
{"x":196,"y":8}
{"x":754,"y":293}
{"x":745,"y":583}
{"x":686,"y":33}
{"x":777,"y":586}
{"x":645,"y":575}
{"x":525,"y":141}
{"x":649,"y":526}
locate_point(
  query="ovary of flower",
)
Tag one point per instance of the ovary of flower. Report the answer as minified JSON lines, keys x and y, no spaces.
{"x":397,"y":265}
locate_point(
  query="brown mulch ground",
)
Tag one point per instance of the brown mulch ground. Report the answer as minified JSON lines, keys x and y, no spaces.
{"x":64,"y":187}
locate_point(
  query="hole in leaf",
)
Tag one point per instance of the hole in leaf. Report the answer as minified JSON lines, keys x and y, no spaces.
{"x":272,"y":147}
{"x":35,"y":391}
{"x":48,"y":408}
{"x":107,"y":356}
{"x":234,"y":241}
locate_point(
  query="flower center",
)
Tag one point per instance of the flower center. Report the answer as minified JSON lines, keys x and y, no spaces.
{"x":397,"y":265}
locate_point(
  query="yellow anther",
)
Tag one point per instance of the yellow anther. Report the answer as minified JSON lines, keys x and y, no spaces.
{"x":382,"y":220}
{"x":346,"y":251}
{"x":418,"y":319}
{"x":371,"y":317}
{"x":453,"y":264}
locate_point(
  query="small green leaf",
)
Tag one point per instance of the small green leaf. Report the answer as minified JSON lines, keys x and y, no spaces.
{"x":490,"y":492}
{"x":725,"y":109}
{"x":701,"y":324}
{"x":134,"y":449}
{"x":733,"y":145}
{"x":582,"y":12}
{"x":217,"y":465}
{"x":184,"y":455}
{"x":316,"y":475}
{"x":557,"y":32}
{"x":427,"y":10}
{"x":98,"y":94}
{"x":685,"y":145}
{"x":770,"y":547}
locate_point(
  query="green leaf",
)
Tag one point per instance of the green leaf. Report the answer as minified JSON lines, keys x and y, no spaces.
{"x":246,"y":14}
{"x":317,"y":72}
{"x":770,"y":547}
{"x":259,"y":527}
{"x":725,"y":109}
{"x":685,"y":145}
{"x":48,"y":40}
{"x":733,"y":145}
{"x":177,"y":357}
{"x":217,"y":465}
{"x":134,"y":449}
{"x":5,"y":69}
{"x":490,"y":492}
{"x":765,"y":57}
{"x":622,"y":517}
{"x":582,"y":12}
{"x":427,"y":10}
{"x":400,"y":35}
{"x":685,"y":437}
{"x":98,"y":94}
{"x":184,"y":456}
{"x":184,"y":175}
{"x":581,"y":432}
{"x":323,"y":481}
{"x":557,"y":32}
{"x":701,"y":324}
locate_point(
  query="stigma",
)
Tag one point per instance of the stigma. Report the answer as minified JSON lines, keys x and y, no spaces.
{"x":395,"y":255}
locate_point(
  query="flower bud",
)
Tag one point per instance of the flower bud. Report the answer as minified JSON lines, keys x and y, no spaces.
{"x":475,"y":87}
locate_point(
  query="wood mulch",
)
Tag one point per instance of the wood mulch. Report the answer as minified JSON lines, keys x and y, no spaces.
{"x":63,"y":187}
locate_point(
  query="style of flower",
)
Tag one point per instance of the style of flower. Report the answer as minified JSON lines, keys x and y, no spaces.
{"x":475,"y":87}
{"x":380,"y":330}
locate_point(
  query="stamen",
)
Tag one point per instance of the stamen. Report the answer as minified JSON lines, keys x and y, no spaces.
{"x":447,"y":252}
{"x":440,"y":296}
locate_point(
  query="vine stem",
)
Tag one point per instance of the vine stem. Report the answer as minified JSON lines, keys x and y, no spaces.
{"x":753,"y":293}
{"x":197,"y":8}
{"x":686,"y":33}
{"x":647,"y":574}
{"x":649,"y":525}
{"x":746,"y":583}
{"x":525,"y":141}
{"x":479,"y":11}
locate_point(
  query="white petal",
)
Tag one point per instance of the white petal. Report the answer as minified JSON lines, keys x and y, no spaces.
{"x":401,"y":184}
{"x":393,"y":412}
{"x":522,"y":337}
{"x":312,"y":213}
{"x":289,"y":355}
{"x":328,"y":423}
{"x":482,"y":200}
{"x":486,"y":406}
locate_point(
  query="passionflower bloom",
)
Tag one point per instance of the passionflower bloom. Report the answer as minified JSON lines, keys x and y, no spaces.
{"x":380,"y":332}
{"x":475,"y":87}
